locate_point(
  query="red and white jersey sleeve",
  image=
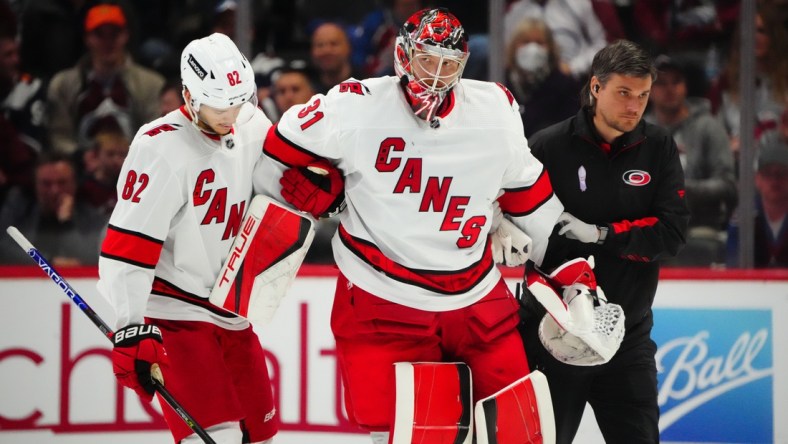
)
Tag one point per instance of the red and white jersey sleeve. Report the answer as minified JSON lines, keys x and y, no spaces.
{"x":419,"y":199}
{"x":288,"y":140}
{"x":181,"y":197}
{"x":528,"y":197}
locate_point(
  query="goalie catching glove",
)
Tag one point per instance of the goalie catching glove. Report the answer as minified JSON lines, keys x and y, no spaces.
{"x":318,"y":189}
{"x":510,"y":246}
{"x":580,"y":327}
{"x":138,"y":348}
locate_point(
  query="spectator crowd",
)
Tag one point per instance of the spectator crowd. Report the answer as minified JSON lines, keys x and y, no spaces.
{"x":73,"y":97}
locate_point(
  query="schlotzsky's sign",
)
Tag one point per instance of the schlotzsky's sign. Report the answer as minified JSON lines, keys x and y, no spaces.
{"x":723,"y":364}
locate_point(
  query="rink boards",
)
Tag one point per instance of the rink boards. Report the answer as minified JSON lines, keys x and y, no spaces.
{"x":722,"y":338}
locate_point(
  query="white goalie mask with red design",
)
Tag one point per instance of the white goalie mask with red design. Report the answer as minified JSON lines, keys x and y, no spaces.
{"x":429,"y":56}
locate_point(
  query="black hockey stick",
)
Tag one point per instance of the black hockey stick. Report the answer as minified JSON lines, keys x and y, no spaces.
{"x":50,"y":271}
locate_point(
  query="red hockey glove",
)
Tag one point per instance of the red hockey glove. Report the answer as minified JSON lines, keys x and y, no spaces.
{"x":578,"y":272}
{"x":319,"y":194}
{"x":137,"y":348}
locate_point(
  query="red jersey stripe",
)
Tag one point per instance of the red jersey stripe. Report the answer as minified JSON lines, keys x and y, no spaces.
{"x":626,"y":225}
{"x":508,"y":93}
{"x":445,"y":282}
{"x":523,"y":201}
{"x":446,"y":106}
{"x":285,"y":151}
{"x":167,"y":289}
{"x":131,"y":247}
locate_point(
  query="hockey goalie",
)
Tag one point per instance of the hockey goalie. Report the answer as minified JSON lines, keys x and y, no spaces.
{"x":262,"y":263}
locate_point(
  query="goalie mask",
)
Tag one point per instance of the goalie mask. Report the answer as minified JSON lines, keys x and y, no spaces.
{"x":218,"y":76}
{"x":429,"y":56}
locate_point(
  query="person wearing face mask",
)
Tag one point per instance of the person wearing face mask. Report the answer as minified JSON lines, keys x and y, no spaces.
{"x":546,"y":95}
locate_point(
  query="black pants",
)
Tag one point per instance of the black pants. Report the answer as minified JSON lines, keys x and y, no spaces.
{"x":623,"y":392}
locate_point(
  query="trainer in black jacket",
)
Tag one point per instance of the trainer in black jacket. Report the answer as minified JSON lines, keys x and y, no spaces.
{"x":621,"y":178}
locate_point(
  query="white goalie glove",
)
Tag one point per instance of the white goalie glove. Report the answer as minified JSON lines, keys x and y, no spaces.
{"x":510,"y":246}
{"x":580,"y":327}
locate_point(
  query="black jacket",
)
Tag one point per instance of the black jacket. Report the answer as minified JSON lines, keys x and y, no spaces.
{"x":637,"y":191}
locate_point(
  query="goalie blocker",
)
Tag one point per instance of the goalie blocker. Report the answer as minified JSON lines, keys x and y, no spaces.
{"x":263,"y":261}
{"x":434,"y":402}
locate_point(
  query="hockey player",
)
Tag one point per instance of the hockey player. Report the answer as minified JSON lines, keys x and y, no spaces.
{"x":623,"y":187}
{"x":424,"y":156}
{"x":182,"y":194}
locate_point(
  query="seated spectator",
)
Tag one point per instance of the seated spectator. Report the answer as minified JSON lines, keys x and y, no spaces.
{"x":771,"y":229}
{"x":667,"y":26}
{"x":16,"y":161}
{"x":51,"y":40}
{"x":64,"y":229}
{"x":224,"y":18}
{"x":224,"y":21}
{"x":779,"y":133}
{"x":607,"y":11}
{"x":330,"y":57}
{"x":22,"y":96}
{"x":291,"y":86}
{"x":475,"y":18}
{"x":576,"y":29}
{"x":771,"y":77}
{"x":545,"y":94}
{"x":264,"y":67}
{"x":105,"y":88}
{"x":103,"y":162}
{"x":170,"y":96}
{"x":21,"y":119}
{"x":373,"y":39}
{"x":710,"y":181}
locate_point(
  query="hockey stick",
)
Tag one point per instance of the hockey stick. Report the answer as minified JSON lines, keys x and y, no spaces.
{"x":50,"y":271}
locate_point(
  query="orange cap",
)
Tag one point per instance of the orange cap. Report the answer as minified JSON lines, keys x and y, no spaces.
{"x":104,"y":15}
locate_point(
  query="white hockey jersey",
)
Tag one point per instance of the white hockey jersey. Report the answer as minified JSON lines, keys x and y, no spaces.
{"x":419,"y":199}
{"x":181,"y":197}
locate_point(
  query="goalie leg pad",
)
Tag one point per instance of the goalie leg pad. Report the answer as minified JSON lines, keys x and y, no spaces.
{"x":521,"y":413}
{"x":434,"y":403}
{"x":263,"y":261}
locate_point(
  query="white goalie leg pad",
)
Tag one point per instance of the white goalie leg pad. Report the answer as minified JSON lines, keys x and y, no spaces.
{"x":520,"y":413}
{"x":434,"y":403}
{"x":263,"y":261}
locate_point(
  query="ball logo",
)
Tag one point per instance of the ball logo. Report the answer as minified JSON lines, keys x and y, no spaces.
{"x":636,"y":178}
{"x":711,"y":363}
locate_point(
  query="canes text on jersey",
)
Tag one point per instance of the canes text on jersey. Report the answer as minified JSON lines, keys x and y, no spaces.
{"x":435,"y":194}
{"x":217,"y":210}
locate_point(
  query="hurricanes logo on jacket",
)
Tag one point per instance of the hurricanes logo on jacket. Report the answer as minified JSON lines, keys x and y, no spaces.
{"x":636,"y":178}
